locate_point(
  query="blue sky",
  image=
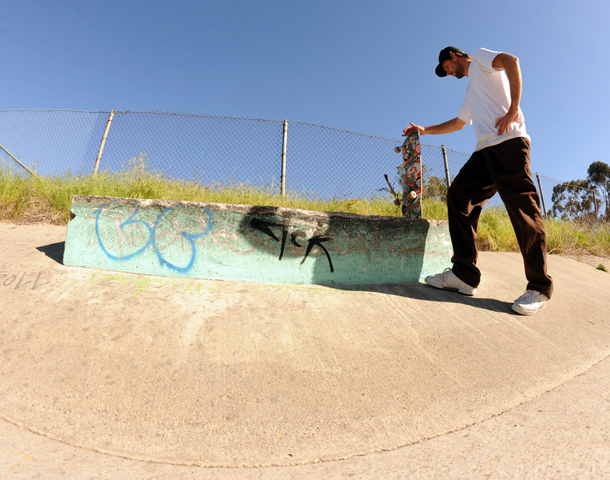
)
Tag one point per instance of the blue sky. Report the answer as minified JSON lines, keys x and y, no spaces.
{"x":366,"y":66}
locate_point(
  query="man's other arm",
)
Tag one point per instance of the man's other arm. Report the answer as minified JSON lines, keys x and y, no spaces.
{"x":510,"y":64}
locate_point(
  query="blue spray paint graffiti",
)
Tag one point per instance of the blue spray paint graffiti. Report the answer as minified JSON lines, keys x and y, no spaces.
{"x":190,"y":237}
{"x":130,"y":220}
{"x":152,"y":237}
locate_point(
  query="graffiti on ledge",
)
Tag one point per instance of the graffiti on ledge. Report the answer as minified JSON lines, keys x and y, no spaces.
{"x":316,"y":240}
{"x":144,"y":234}
{"x":152,"y":237}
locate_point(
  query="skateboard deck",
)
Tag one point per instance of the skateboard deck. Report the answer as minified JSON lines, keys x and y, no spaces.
{"x":409,"y":173}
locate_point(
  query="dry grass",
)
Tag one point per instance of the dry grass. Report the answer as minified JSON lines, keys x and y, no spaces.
{"x":36,"y":208}
{"x":563,"y":237}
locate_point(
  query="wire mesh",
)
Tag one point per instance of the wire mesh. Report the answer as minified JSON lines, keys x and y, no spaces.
{"x":194,"y":147}
{"x":53,"y":142}
{"x":321,"y":161}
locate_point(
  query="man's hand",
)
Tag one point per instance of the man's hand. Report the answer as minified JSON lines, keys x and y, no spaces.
{"x":409,"y":130}
{"x":503,"y":123}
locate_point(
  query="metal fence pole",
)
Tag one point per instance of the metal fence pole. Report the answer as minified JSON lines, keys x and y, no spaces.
{"x":541,"y":194}
{"x":446,"y":165}
{"x":99,"y":153}
{"x":283,"y":175}
{"x":22,"y":165}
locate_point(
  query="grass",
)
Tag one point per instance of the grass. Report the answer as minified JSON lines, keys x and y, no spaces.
{"x":496,"y":233}
{"x":26,"y":199}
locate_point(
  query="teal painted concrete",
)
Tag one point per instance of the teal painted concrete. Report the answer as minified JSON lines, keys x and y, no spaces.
{"x":241,"y":242}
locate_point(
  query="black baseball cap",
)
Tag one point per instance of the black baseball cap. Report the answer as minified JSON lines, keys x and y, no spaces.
{"x":445,"y":55}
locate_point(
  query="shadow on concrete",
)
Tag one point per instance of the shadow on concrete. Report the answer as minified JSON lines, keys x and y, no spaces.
{"x":420,"y":291}
{"x":55,"y":251}
{"x":325,"y":248}
{"x":293,"y":240}
{"x":280,"y":233}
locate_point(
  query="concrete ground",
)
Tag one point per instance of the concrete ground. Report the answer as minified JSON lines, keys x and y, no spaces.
{"x":107,"y":375}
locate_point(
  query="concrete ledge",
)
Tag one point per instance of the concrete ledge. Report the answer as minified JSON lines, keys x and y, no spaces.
{"x":248,"y":243}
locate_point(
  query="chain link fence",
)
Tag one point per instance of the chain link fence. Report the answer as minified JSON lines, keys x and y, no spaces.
{"x":319,"y":161}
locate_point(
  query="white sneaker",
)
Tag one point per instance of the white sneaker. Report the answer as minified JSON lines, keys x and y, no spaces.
{"x":448,"y":281}
{"x":530,"y":302}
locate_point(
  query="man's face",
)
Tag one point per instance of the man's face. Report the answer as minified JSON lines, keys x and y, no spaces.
{"x":454,"y":68}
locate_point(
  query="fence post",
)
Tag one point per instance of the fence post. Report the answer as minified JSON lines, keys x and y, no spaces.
{"x":283,"y":175}
{"x":22,"y":165}
{"x":99,"y":153}
{"x":446,"y":166}
{"x":541,"y":194}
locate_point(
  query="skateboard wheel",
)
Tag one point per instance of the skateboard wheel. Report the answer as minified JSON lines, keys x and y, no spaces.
{"x":412,"y":195}
{"x":397,"y":149}
{"x":396,"y":202}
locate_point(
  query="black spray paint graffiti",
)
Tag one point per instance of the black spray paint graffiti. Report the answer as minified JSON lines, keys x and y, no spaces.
{"x":265,"y":227}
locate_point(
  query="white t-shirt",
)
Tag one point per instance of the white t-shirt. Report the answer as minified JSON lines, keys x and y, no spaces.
{"x":487,"y":99}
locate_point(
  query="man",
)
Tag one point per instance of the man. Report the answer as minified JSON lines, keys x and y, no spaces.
{"x":500,"y":163}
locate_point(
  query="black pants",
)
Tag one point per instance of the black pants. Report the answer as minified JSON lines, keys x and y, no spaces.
{"x":502,"y":168}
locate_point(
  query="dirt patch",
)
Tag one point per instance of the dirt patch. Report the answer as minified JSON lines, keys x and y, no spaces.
{"x":594,"y":260}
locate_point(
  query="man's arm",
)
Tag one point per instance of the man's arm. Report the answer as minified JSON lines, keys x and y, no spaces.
{"x":510,"y":64}
{"x":446,"y":127}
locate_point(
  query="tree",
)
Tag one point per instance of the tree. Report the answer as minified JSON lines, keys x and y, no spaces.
{"x":598,"y":174}
{"x":580,"y":199}
{"x":435,"y":188}
{"x":573,"y":200}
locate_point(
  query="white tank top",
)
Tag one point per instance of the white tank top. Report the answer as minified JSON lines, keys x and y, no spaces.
{"x":487,"y":99}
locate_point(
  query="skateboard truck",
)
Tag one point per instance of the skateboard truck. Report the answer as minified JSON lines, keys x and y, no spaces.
{"x":412,"y":195}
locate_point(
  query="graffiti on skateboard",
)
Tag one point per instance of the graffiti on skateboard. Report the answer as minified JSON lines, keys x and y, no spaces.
{"x":409,"y":173}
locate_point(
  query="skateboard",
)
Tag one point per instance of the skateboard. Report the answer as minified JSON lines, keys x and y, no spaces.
{"x":410,"y":177}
